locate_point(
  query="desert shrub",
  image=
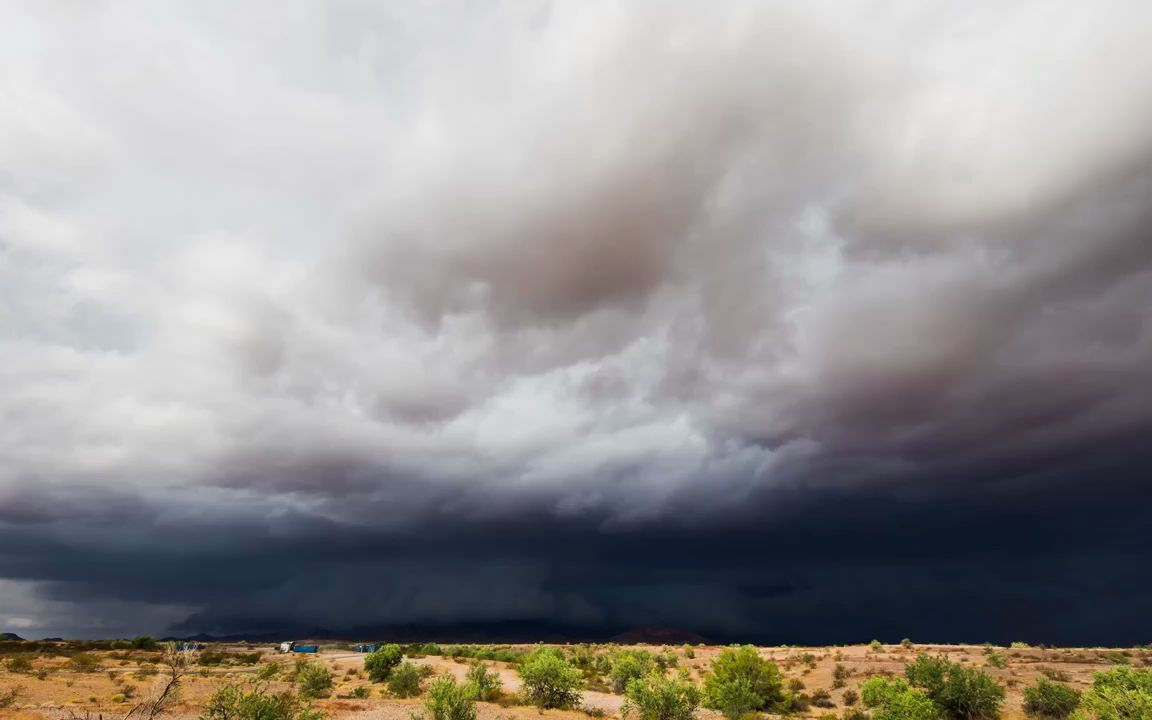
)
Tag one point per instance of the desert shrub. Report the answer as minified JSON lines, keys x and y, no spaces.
{"x":1019,"y":645}
{"x":485,"y":683}
{"x":42,"y":674}
{"x":850,"y":697}
{"x":268,"y":672}
{"x":689,"y":652}
{"x":839,"y":676}
{"x":145,"y":670}
{"x":962,"y":693}
{"x":379,"y":664}
{"x":404,"y":681}
{"x":795,"y":685}
{"x":314,"y":681}
{"x":741,"y":681}
{"x":822,"y":699}
{"x":1117,"y":657}
{"x":1047,"y":699}
{"x":84,"y":662}
{"x":144,"y":642}
{"x":997,"y":661}
{"x":360,"y":693}
{"x":1121,"y":693}
{"x":855,"y":714}
{"x":20,"y":664}
{"x":234,"y":702}
{"x":875,"y":646}
{"x":896,"y":700}
{"x":1054,"y":674}
{"x":656,"y":697}
{"x":118,"y":698}
{"x":449,"y":701}
{"x":666,"y":660}
{"x":629,"y":665}
{"x":549,"y":680}
{"x":906,"y":644}
{"x":9,"y":697}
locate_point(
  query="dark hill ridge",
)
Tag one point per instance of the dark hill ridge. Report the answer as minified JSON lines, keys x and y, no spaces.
{"x":11,"y":636}
{"x":478,"y":633}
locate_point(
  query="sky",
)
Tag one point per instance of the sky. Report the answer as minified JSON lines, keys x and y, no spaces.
{"x":777,"y":322}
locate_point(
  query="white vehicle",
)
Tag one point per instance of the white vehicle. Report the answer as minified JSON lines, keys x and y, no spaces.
{"x":286,"y":646}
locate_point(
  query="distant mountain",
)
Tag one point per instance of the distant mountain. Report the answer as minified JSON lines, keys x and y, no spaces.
{"x":648,"y":635}
{"x":512,"y":631}
{"x":10,"y":636}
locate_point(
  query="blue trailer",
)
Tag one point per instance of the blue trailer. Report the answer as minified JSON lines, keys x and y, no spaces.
{"x":306,"y":648}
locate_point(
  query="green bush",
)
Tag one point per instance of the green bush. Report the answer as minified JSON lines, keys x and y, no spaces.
{"x":895,"y":700}
{"x":1047,"y":699}
{"x":379,"y":664}
{"x":1121,"y":693}
{"x":20,"y":664}
{"x":144,"y":642}
{"x":629,"y":665}
{"x":875,"y":646}
{"x":961,"y":693}
{"x":689,"y":652}
{"x":549,"y":680}
{"x":236,"y":703}
{"x":656,"y":697}
{"x":314,"y":681}
{"x":485,"y":683}
{"x":997,"y":661}
{"x":268,"y":672}
{"x":906,"y":644}
{"x":741,"y":682}
{"x":450,"y":701}
{"x":404,"y":681}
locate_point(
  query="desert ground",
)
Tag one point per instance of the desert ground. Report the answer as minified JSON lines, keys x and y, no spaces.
{"x":52,"y":688}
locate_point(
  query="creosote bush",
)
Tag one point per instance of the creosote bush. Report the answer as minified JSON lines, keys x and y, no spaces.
{"x":1047,"y":699}
{"x":629,"y":665}
{"x":656,"y":697}
{"x":485,"y":683}
{"x":404,"y":680}
{"x":314,"y":681}
{"x":1122,"y":693}
{"x":234,"y":702}
{"x":549,"y":680}
{"x":894,"y":699}
{"x":741,"y":682}
{"x":961,"y":693}
{"x":379,"y":664}
{"x":20,"y":664}
{"x":448,"y":700}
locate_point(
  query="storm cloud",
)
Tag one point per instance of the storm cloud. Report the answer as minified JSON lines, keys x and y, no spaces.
{"x":770,"y":321}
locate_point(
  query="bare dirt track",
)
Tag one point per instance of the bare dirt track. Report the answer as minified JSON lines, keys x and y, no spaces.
{"x":53,"y":689}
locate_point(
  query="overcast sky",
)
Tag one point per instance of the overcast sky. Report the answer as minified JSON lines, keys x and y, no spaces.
{"x":791,"y":322}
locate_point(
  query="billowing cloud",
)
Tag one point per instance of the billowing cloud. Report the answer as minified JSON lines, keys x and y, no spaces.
{"x":517,"y":298}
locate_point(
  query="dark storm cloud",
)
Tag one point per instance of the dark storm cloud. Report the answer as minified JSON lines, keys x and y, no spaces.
{"x":775,"y":323}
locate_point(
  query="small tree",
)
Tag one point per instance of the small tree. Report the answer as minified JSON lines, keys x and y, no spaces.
{"x":485,"y":683}
{"x":405,"y":680}
{"x":450,"y":701}
{"x":896,"y":700}
{"x":1118,"y":694}
{"x":549,"y":680}
{"x":379,"y":664}
{"x":20,"y":664}
{"x":314,"y":681}
{"x":656,"y":697}
{"x":741,"y":682}
{"x":144,"y":642}
{"x":1047,"y":699}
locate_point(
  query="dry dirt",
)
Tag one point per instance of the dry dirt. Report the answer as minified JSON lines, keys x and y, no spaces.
{"x":65,"y":693}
